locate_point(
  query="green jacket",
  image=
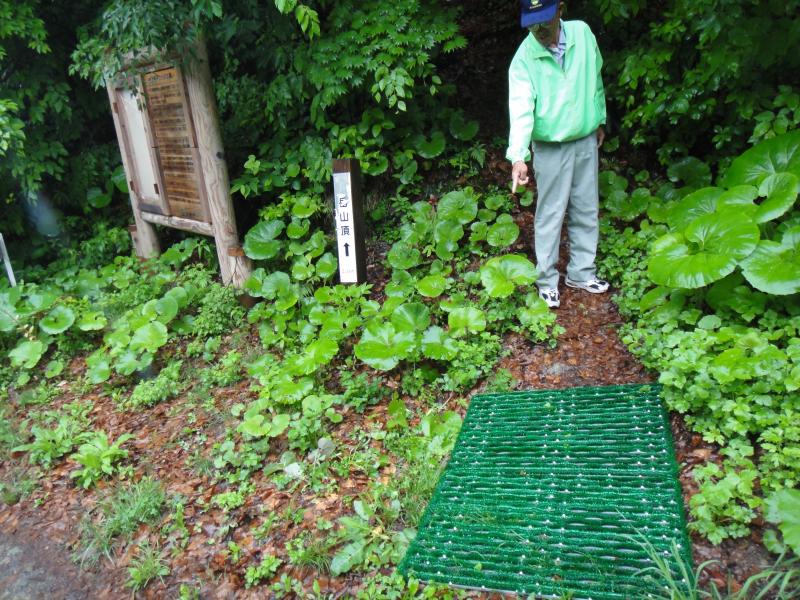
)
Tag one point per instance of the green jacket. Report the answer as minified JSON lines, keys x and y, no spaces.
{"x":549,"y":104}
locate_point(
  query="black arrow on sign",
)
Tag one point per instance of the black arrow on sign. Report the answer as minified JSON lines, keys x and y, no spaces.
{"x":346,"y":249}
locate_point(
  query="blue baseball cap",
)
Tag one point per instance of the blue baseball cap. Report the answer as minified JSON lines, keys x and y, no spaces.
{"x":537,"y":11}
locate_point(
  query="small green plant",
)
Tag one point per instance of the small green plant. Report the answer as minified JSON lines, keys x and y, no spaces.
{"x":360,"y":390}
{"x":725,"y":503}
{"x":120,"y":514}
{"x":676,"y":581}
{"x":146,"y":565}
{"x":159,"y":389}
{"x":178,"y":524}
{"x":98,"y":457}
{"x":307,"y":550}
{"x":219,"y":312}
{"x":501,"y":381}
{"x":229,"y":501}
{"x":396,"y":587}
{"x":369,"y":540}
{"x":266,"y":569}
{"x":227,"y":371}
{"x":234,"y":552}
{"x":49,"y":445}
{"x":17,"y":484}
{"x":186,"y":592}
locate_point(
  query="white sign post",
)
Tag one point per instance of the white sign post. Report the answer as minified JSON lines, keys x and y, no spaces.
{"x":349,"y":221}
{"x":7,"y":262}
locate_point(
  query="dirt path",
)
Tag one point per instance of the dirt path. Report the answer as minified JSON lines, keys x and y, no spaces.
{"x":34,"y":566}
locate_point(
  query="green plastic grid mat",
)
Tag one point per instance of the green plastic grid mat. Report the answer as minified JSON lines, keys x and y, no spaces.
{"x":547,"y":492}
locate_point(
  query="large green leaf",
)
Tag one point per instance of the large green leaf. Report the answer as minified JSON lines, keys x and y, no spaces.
{"x":733,"y":293}
{"x":149,"y":337}
{"x":257,"y":426}
{"x":278,"y":286}
{"x":382,"y":347}
{"x":260,"y":242}
{"x":740,"y":197}
{"x":92,"y":321}
{"x":432,"y":285}
{"x":699,"y":203}
{"x":97,"y":198}
{"x":783,"y":509}
{"x":413,"y":316}
{"x":129,"y":362}
{"x":431,"y":148}
{"x":466,"y":318}
{"x":316,"y":354}
{"x":459,"y":206}
{"x":119,"y":179}
{"x":446,"y":235}
{"x":436,"y":344}
{"x":401,"y":285}
{"x":41,"y":300}
{"x":302,"y":269}
{"x":8,"y":313}
{"x":610,"y":182}
{"x":54,"y":368}
{"x":774,"y":267}
{"x":326,"y":265}
{"x":26,"y":354}
{"x":534,"y":311}
{"x":780,"y":191}
{"x":403,"y":256}
{"x":180,"y":295}
{"x":503,"y":232}
{"x":164,"y":309}
{"x":298,"y":228}
{"x":622,"y":206}
{"x":57,"y":320}
{"x":776,"y":155}
{"x":501,"y":274}
{"x":99,"y":367}
{"x":708,"y":250}
{"x":691,"y":171}
{"x":461,"y":129}
{"x":348,"y":557}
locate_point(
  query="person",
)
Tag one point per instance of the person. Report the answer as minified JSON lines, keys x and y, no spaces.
{"x":557,"y":108}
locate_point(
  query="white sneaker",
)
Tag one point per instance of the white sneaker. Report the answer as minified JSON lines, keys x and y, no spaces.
{"x":593,"y":285}
{"x":551,"y":297}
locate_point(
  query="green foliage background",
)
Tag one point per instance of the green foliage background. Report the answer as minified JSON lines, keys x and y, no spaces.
{"x":300,"y":82}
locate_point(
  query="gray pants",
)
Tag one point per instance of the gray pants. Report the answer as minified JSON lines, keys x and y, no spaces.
{"x":566,"y":180}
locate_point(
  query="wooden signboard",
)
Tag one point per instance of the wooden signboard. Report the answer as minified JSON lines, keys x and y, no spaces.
{"x":168,"y":132}
{"x":175,"y":143}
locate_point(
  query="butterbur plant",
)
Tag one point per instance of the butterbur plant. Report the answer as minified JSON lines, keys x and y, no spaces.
{"x":715,"y":230}
{"x":98,"y":457}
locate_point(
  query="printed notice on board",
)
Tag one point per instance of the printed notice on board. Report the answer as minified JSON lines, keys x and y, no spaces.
{"x":345,"y":227}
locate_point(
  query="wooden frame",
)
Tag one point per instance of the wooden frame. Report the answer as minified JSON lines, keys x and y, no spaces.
{"x":191,"y":190}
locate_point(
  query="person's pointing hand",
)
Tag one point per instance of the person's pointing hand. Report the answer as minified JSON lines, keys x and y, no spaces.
{"x":519,"y":175}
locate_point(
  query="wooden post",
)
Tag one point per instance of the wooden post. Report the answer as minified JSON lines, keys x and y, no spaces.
{"x":235,"y":269}
{"x":145,"y":238}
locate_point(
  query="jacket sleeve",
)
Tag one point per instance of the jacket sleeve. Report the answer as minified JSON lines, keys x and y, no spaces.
{"x":600,"y":93}
{"x":521,"y":102}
